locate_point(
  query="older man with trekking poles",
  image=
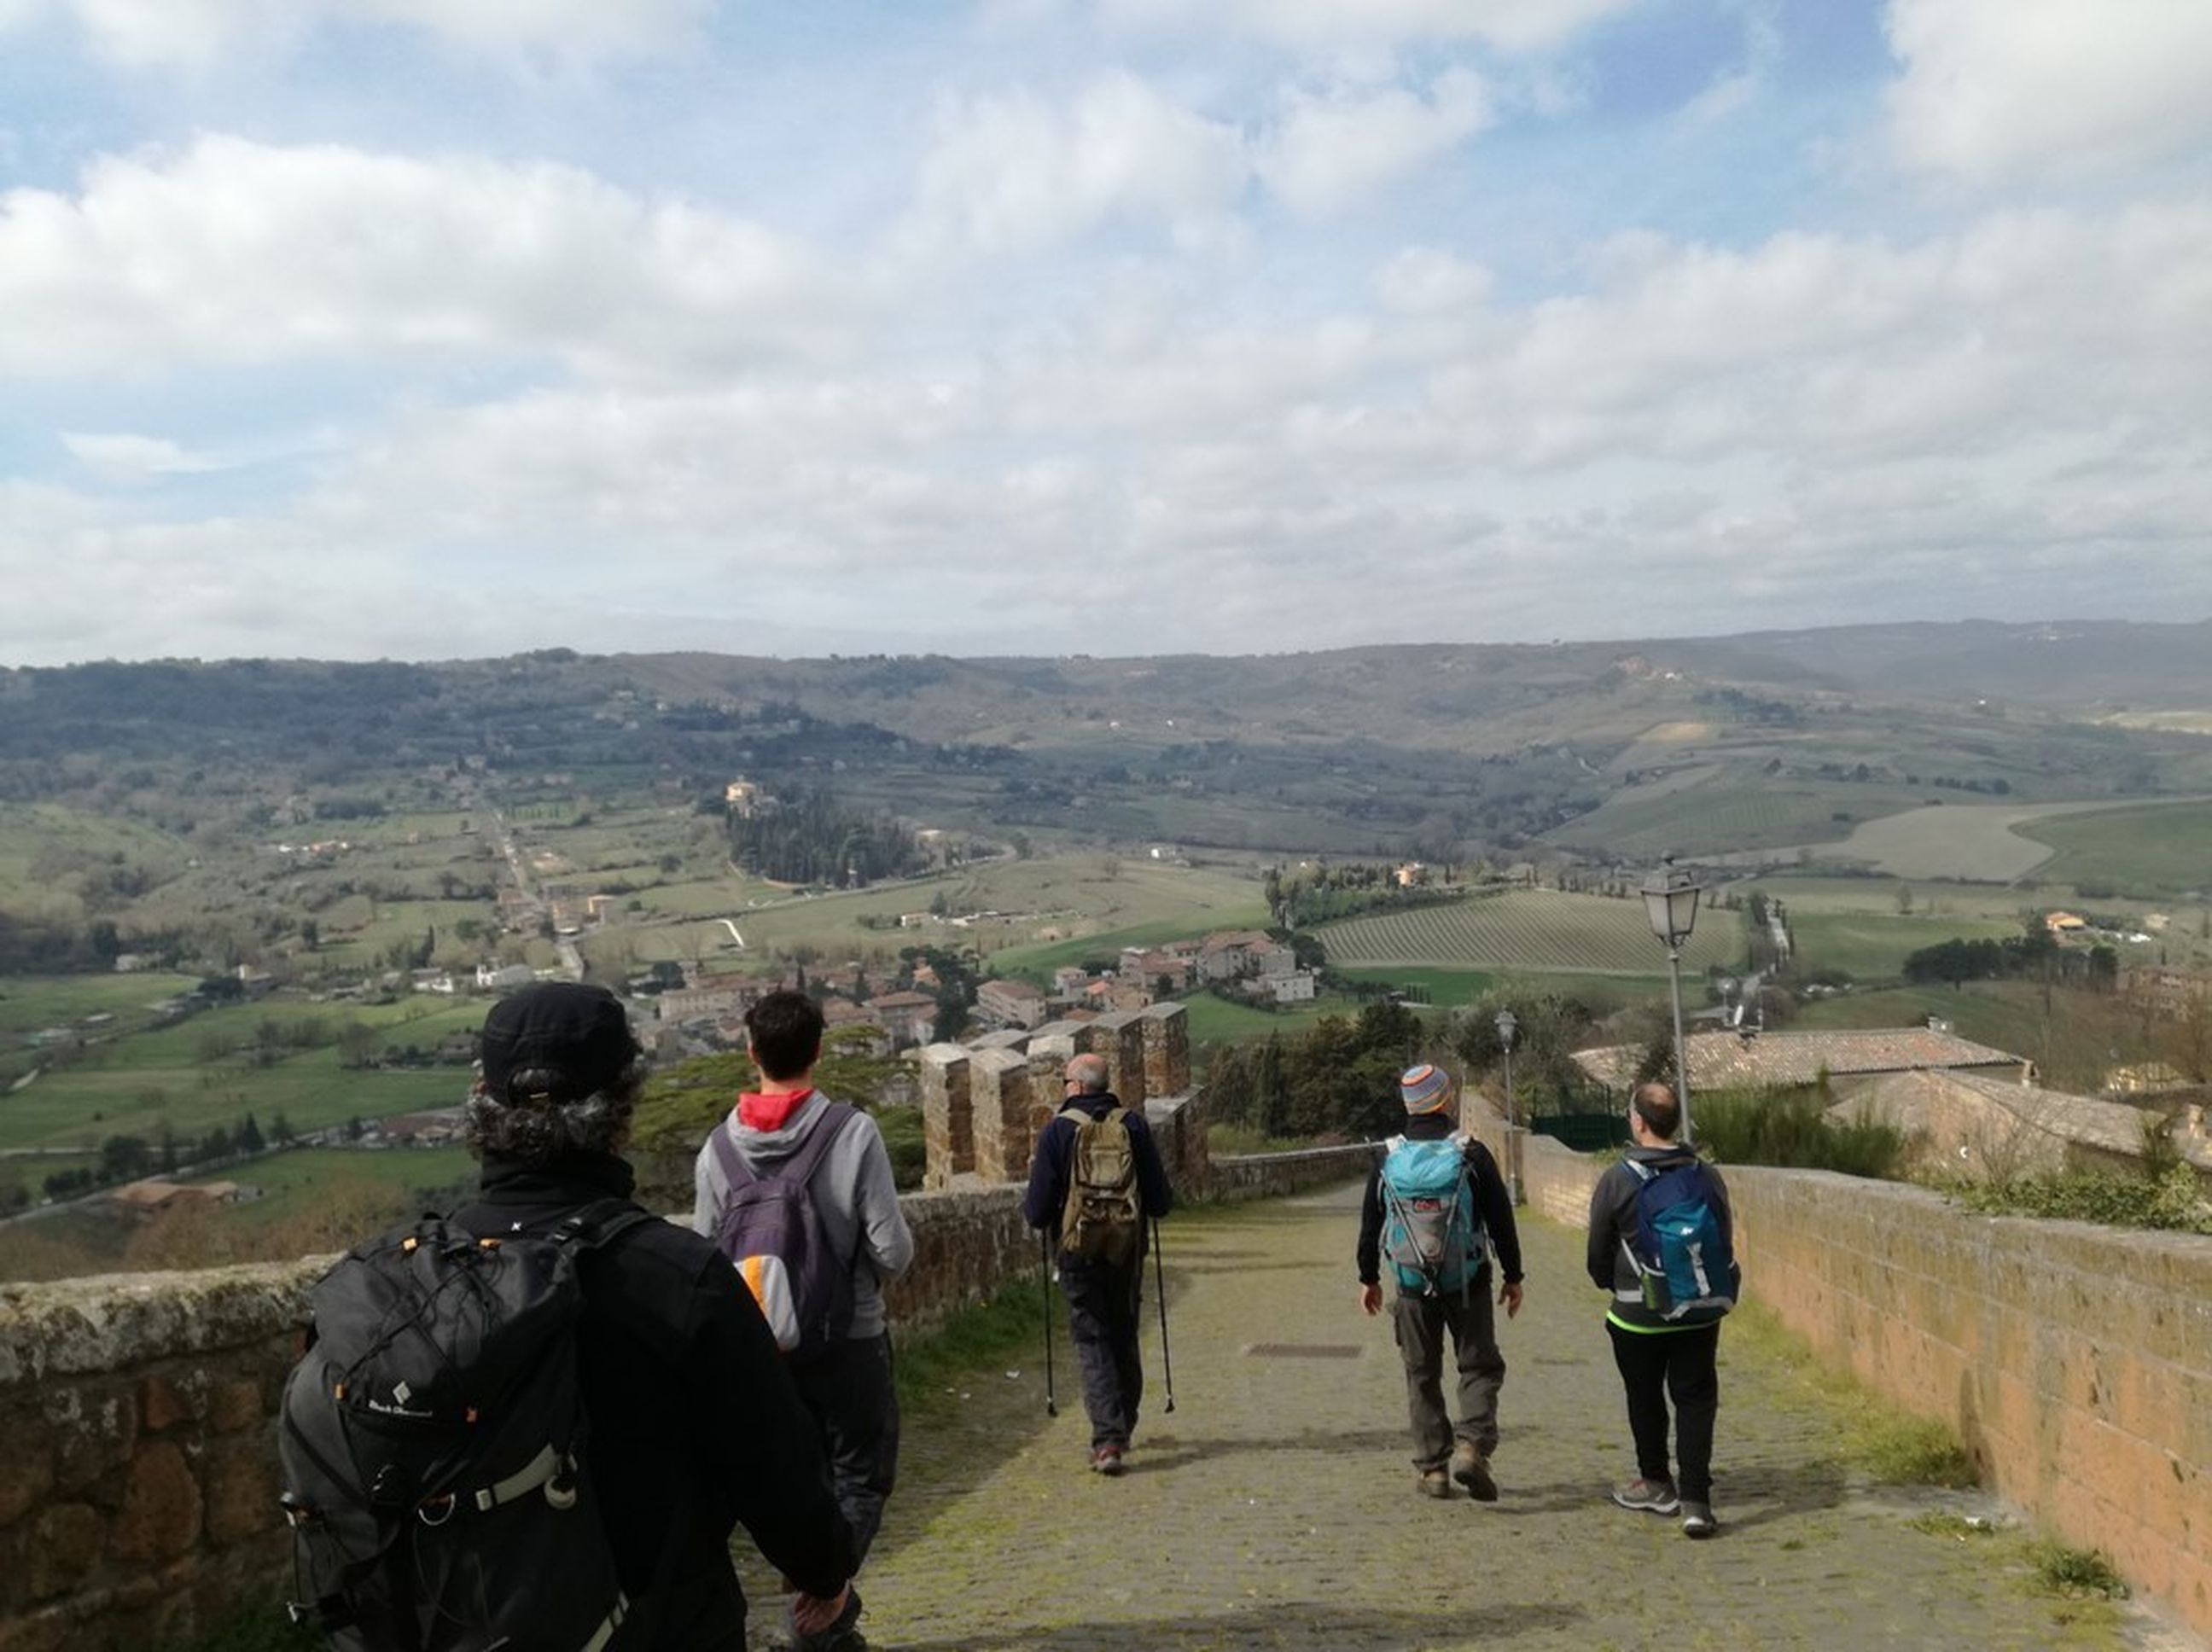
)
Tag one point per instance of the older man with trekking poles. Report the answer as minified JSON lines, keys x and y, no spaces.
{"x":1095,"y":1186}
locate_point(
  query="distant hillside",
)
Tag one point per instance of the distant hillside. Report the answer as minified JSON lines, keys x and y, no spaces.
{"x":1747,"y":742}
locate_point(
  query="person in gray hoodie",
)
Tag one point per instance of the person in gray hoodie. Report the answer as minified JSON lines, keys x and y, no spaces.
{"x":847,"y":1382}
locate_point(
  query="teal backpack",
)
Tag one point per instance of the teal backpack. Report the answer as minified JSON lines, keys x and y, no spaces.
{"x":1682,"y":1254}
{"x":1432,"y":1234}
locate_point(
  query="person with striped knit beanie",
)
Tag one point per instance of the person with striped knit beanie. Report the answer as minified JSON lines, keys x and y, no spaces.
{"x":1436,"y":1180}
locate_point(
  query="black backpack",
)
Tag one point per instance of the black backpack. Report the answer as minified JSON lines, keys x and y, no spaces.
{"x":432,"y":1446}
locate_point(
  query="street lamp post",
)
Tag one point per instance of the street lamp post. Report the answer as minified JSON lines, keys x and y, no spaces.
{"x":1670,"y":902}
{"x":1507,"y":1026}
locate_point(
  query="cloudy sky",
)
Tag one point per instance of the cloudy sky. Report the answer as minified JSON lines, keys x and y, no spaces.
{"x":417,"y":329}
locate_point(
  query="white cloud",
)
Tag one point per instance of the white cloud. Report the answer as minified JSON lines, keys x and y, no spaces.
{"x":233,"y":252}
{"x":1998,"y":89}
{"x":120,"y":457}
{"x":1513,"y":25}
{"x":162,"y":33}
{"x":1015,"y":172}
{"x":1329,"y":148}
{"x":1817,"y":425}
{"x":1422,"y":280}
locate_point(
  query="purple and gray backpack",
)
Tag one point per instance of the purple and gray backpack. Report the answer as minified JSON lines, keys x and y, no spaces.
{"x":771,"y":1230}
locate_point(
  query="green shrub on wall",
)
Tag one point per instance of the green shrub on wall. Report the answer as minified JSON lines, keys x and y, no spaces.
{"x":2172,"y":1202}
{"x":1791,"y":1129}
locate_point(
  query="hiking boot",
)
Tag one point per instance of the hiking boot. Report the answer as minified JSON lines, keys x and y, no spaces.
{"x":1435,"y":1483}
{"x":1650,"y":1497}
{"x":1697,"y":1519}
{"x":1472,"y":1469}
{"x":1106,"y":1460}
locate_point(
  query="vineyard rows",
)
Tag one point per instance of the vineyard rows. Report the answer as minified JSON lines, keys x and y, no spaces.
{"x":1528,"y":929}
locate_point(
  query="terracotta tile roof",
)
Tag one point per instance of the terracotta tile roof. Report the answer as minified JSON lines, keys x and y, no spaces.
{"x":1723,"y":1061}
{"x":2113,"y":1126}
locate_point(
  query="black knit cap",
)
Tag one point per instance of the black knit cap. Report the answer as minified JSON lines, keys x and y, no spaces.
{"x":579,"y":1034}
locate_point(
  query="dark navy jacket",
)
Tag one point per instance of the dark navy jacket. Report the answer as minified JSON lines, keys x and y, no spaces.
{"x":1048,"y":1170}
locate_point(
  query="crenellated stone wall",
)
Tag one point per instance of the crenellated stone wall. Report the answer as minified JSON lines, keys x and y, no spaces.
{"x":984,"y":1101}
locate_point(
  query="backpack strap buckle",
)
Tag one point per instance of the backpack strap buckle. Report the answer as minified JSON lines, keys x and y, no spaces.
{"x":549,"y":1468}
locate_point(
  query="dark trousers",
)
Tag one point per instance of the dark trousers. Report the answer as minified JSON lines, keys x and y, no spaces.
{"x":1654,"y":1366}
{"x":702,"y":1613}
{"x":1103,"y":1303}
{"x":849,"y":1389}
{"x":1421,"y":1324}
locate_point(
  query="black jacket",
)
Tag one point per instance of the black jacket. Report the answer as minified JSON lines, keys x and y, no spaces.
{"x":1055,"y":1146}
{"x":1490,"y":1199}
{"x":694,"y":1422}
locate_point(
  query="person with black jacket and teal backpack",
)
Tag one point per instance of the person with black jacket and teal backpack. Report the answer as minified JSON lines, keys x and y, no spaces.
{"x":1671,"y":1272}
{"x":1435,"y":1209}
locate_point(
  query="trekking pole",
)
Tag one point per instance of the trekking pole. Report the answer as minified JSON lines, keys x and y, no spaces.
{"x":1044,"y":1295}
{"x":1160,"y":1289}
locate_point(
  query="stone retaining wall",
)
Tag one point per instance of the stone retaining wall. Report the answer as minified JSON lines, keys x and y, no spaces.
{"x":137,"y":1438}
{"x":1268,"y":1175}
{"x":137,"y":1454}
{"x":2074,"y":1361}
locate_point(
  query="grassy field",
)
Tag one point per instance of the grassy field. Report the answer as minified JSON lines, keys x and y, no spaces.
{"x":30,"y":1174}
{"x":1452,"y":989}
{"x":2006,"y":1015}
{"x":1055,"y":908}
{"x":1212,"y":1019}
{"x":2150,"y":852}
{"x":1725,"y":813}
{"x":34,"y":1002}
{"x":80,"y":1107}
{"x":295,"y":1181}
{"x":1930,"y":897}
{"x":1537,"y":930}
{"x":1984,"y":843}
{"x":1868,"y":946}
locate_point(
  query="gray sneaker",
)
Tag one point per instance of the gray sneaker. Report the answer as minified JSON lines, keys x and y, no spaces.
{"x":1697,"y":1519}
{"x":1649,"y":1497}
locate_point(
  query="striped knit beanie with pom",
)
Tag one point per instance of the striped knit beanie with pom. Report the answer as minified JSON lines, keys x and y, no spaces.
{"x":1424,"y":1089}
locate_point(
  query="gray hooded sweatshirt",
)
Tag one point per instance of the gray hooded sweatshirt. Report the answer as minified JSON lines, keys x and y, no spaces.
{"x":853,"y":1196}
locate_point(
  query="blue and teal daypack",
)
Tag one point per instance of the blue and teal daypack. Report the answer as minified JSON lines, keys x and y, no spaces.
{"x":1432,"y":1234}
{"x":1681,"y":1253}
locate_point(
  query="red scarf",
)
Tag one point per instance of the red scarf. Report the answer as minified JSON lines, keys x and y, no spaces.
{"x":758,"y":1112}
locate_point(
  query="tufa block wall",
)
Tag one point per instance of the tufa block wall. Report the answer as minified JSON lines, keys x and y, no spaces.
{"x":137,"y":1452}
{"x":2074,"y":1361}
{"x":983,"y":1103}
{"x":137,"y":1413}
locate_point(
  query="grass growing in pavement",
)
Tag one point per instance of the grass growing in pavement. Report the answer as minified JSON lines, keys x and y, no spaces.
{"x":1889,"y":1445}
{"x":1009,"y":1327}
{"x":2077,"y":1573}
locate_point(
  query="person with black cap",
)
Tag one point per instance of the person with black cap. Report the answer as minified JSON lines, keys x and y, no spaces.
{"x":1472,"y":1215}
{"x":694,"y":1423}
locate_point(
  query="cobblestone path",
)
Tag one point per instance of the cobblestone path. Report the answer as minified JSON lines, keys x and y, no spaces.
{"x":1276,"y":1507}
